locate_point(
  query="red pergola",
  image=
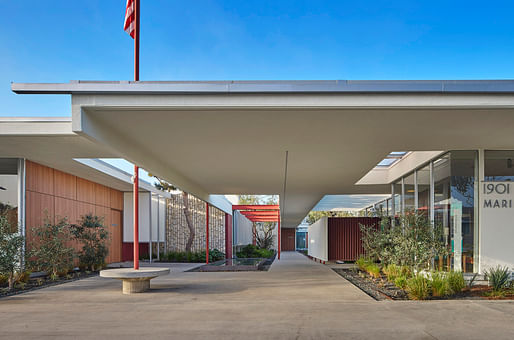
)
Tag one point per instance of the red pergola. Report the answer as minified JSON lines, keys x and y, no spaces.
{"x":261,"y":213}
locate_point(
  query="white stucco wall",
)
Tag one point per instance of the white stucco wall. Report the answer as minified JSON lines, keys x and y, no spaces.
{"x":242,"y":233}
{"x":497,"y":225}
{"x":318,"y":239}
{"x":158,"y":216}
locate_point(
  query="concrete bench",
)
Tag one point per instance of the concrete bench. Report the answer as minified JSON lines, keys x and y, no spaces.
{"x":134,"y":281}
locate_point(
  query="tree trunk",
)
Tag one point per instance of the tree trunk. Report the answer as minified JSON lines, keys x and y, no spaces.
{"x":11,"y":281}
{"x":187,"y":213}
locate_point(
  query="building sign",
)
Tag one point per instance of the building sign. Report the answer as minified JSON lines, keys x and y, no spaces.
{"x":491,"y":191}
{"x":497,"y":224}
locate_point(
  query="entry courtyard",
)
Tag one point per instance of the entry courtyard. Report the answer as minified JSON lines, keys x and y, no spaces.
{"x":296,"y":299}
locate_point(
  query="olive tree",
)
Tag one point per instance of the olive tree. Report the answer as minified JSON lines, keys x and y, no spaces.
{"x":50,"y":250}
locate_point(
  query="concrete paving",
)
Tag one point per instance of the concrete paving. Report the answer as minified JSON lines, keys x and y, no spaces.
{"x":296,"y":299}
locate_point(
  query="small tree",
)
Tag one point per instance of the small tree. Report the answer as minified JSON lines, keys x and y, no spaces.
{"x":264,"y":234}
{"x":11,"y":244}
{"x":49,"y":250}
{"x":92,"y":234}
{"x":413,"y":242}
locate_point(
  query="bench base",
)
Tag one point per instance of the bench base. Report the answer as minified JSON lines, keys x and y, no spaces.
{"x":134,"y":281}
{"x":131,"y":286}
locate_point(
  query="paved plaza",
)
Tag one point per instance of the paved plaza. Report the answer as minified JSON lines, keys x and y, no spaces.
{"x":296,"y":299}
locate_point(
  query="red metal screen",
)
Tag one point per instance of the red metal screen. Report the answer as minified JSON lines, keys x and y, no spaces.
{"x":344,"y":237}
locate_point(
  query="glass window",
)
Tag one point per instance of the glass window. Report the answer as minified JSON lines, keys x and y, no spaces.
{"x":409,"y":189}
{"x":9,"y":190}
{"x":423,"y":178}
{"x":498,"y":165}
{"x":442,"y":196}
{"x":389,"y":207}
{"x":454,"y":207}
{"x":463,"y":177}
{"x":397,"y":198}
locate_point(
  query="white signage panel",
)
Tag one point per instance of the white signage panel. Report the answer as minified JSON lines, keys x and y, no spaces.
{"x":497,"y":225}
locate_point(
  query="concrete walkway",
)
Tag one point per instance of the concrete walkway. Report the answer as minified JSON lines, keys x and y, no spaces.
{"x":296,"y":299}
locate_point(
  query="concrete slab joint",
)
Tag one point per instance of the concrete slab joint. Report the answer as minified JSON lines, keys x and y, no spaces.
{"x":134,"y":281}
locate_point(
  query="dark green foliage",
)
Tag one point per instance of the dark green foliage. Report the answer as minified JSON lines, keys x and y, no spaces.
{"x":49,"y":250}
{"x":193,"y":257}
{"x":93,"y":236}
{"x":11,"y":244}
{"x":498,"y":277}
{"x":251,"y":251}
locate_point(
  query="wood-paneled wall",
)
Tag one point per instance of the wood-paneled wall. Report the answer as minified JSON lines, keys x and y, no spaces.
{"x":52,"y":194}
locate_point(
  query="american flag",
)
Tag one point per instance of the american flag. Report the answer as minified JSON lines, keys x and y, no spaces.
{"x":130,"y":19}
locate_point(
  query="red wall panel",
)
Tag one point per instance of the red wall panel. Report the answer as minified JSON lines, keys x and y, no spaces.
{"x":344,"y":237}
{"x":228,"y":236}
{"x":128,"y":250}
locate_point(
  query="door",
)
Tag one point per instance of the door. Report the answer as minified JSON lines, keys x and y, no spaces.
{"x":287,"y":239}
{"x":115,"y":230}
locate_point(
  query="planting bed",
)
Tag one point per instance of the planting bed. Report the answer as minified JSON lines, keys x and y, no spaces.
{"x":42,"y":282}
{"x":237,"y":265}
{"x":381,"y":289}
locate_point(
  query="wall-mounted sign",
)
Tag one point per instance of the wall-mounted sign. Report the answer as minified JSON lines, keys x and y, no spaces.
{"x":497,"y":224}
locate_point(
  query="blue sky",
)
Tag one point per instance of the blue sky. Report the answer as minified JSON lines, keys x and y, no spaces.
{"x":56,"y":41}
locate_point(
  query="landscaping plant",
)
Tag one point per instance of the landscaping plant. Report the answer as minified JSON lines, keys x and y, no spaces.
{"x":418,"y":287}
{"x":11,"y":243}
{"x":251,"y":251}
{"x":93,"y":236}
{"x":49,"y":250}
{"x":498,"y":277}
{"x":456,"y":282}
{"x":411,"y":242}
{"x":439,"y":284}
{"x":401,"y":282}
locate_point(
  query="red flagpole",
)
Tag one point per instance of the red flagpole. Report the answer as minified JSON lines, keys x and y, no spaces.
{"x":136,"y":40}
{"x":136,"y":168}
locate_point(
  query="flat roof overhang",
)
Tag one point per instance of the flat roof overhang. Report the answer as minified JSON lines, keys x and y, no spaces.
{"x":231,"y":137}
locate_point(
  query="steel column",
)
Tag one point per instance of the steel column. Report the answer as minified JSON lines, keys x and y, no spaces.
{"x":136,"y":216}
{"x":207,"y":233}
{"x":279,"y":243}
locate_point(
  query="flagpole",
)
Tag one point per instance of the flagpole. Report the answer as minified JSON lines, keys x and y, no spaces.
{"x":136,"y":168}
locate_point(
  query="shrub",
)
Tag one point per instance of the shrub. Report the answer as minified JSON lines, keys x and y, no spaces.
{"x":392,"y":271}
{"x":11,"y":244}
{"x":439,"y":284}
{"x":412,"y":242}
{"x":363,"y":263}
{"x":91,"y":233}
{"x":456,"y":282}
{"x":373,"y":270}
{"x":498,"y":277}
{"x":251,"y":251}
{"x":194,"y":257}
{"x":49,"y":251}
{"x":417,"y":287}
{"x":401,"y":282}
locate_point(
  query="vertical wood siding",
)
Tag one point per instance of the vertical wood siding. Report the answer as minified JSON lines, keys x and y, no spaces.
{"x":52,"y":194}
{"x":287,"y":239}
{"x":344,"y":237}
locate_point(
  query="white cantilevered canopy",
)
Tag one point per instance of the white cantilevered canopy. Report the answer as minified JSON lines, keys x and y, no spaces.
{"x":232,"y":137}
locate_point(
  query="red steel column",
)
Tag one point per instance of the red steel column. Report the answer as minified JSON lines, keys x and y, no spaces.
{"x":136,"y":216}
{"x":228,"y":236}
{"x":207,"y":233}
{"x":279,"y":241}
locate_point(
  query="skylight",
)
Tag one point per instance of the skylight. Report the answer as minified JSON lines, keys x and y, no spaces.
{"x":392,"y":158}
